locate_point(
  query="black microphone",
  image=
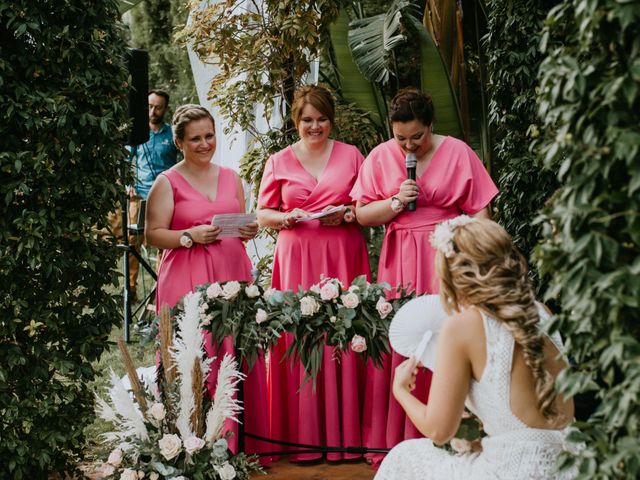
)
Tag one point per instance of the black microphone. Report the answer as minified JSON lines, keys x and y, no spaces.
{"x":411,"y":163}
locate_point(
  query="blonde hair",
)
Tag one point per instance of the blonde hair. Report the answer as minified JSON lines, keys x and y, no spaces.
{"x":318,"y":97}
{"x":184,"y":115}
{"x":487,"y":271}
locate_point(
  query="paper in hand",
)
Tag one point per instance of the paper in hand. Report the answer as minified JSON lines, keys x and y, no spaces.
{"x":322,"y":214}
{"x":230,"y":223}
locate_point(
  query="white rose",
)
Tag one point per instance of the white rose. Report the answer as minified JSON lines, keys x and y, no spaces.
{"x":309,"y":306}
{"x":267,"y":293}
{"x":226,"y":471}
{"x":115,"y":457}
{"x":384,"y":308}
{"x":333,"y":319}
{"x":157,"y":411}
{"x":154,"y":476}
{"x":252,"y":291}
{"x":261,"y":316}
{"x":214,"y":290}
{"x":231,"y":290}
{"x":358,"y":344}
{"x":329,"y":291}
{"x":170,"y":446}
{"x":193,"y":444}
{"x":129,"y":474}
{"x":350,"y":300}
{"x":460,"y":445}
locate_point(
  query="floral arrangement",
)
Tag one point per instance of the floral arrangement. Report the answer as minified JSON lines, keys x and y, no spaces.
{"x":356,"y":317}
{"x":165,"y":431}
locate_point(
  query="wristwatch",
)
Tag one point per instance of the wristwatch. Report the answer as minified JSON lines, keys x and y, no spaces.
{"x":397,"y":205}
{"x":186,"y":240}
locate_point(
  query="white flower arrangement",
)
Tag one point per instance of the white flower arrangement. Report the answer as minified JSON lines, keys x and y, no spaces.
{"x":442,"y":236}
{"x":172,"y":438}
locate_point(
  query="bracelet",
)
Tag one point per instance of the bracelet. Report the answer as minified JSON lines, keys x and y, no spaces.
{"x":397,"y":205}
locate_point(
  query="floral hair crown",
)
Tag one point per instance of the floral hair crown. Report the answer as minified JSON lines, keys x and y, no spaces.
{"x":442,"y":236}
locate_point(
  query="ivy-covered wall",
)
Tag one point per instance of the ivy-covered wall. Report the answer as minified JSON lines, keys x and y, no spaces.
{"x":63,"y":95}
{"x":512,"y":45}
{"x":590,"y":109}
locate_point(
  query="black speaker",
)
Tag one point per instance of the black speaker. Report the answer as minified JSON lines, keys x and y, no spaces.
{"x":138,"y":66}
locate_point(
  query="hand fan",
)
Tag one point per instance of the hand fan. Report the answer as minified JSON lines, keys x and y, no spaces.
{"x":415,"y":328}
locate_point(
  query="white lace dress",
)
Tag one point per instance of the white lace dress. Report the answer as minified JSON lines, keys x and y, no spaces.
{"x":511,"y":450}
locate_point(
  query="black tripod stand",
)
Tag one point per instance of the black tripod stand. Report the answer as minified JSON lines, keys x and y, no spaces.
{"x":134,"y":229}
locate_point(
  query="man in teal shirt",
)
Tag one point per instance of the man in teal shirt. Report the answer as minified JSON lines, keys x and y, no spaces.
{"x":149,"y":160}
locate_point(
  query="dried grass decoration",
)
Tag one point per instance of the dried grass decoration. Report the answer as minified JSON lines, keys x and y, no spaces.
{"x":169,"y":436}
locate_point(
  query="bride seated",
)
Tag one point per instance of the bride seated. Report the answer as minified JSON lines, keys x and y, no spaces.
{"x":491,"y":354}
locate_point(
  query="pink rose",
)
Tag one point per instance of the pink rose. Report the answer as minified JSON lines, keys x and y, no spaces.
{"x":115,"y":457}
{"x":350,"y":300}
{"x":129,"y":474}
{"x":358,"y":344}
{"x":460,"y":445}
{"x":193,"y":444}
{"x":384,"y":308}
{"x":261,"y":316}
{"x":329,"y":291}
{"x":214,"y":290}
{"x":107,"y":470}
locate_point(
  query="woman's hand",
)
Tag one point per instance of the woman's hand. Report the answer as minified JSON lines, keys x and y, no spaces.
{"x":290,"y":218}
{"x":408,"y":191}
{"x":333,"y":219}
{"x":248,"y":231}
{"x":404,"y":379}
{"x":204,"y":234}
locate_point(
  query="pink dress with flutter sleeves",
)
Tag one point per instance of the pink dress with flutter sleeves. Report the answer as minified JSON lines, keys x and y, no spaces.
{"x":183,"y":269}
{"x":454,"y":182}
{"x":303,"y":254}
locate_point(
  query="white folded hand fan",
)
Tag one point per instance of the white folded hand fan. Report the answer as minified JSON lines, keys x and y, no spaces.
{"x":415,"y":328}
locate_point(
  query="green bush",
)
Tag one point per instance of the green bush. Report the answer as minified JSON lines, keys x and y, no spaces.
{"x":590,"y":103}
{"x":512,"y":46}
{"x":63,"y":96}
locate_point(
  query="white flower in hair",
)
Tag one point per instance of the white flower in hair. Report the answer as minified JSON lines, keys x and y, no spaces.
{"x":442,"y":236}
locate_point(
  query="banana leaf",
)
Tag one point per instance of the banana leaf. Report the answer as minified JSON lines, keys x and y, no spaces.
{"x":354,"y":87}
{"x":372,"y":40}
{"x":436,"y":81}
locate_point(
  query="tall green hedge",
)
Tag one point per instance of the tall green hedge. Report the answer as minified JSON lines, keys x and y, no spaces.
{"x":590,"y":105}
{"x":512,"y":47}
{"x":63,"y":96}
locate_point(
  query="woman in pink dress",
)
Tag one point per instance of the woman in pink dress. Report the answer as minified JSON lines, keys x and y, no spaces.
{"x":180,"y":206}
{"x":310,"y":176}
{"x":450,"y":180}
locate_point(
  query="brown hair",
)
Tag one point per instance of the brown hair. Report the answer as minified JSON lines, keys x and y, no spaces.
{"x":160,"y":93}
{"x":186,"y":114}
{"x":318,"y":97}
{"x":488,"y":272}
{"x":411,"y":104}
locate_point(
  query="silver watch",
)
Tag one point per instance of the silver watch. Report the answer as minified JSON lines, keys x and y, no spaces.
{"x":186,"y":240}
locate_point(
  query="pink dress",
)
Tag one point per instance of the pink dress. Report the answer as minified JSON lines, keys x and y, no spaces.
{"x":330,"y":415}
{"x":454,"y":182}
{"x":183,"y":269}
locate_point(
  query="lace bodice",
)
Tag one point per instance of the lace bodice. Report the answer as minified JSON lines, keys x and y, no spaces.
{"x":489,"y":397}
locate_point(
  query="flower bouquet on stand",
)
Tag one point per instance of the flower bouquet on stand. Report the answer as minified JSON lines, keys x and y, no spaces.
{"x":175,"y":432}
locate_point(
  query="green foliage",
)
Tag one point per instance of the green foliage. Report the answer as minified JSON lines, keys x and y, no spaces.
{"x":512,"y":46}
{"x":63,"y":91}
{"x":153,"y":24}
{"x":590,"y":103}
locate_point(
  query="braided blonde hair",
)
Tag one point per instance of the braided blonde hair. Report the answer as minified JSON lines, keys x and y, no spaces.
{"x":488,"y":272}
{"x":184,"y":115}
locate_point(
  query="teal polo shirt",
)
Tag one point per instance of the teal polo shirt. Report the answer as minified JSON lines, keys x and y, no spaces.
{"x":152,"y":158}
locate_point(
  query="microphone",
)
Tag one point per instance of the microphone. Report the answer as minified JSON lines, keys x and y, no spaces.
{"x":411,"y":163}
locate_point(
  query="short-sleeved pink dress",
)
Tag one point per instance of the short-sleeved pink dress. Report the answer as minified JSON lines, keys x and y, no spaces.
{"x":304,"y":253}
{"x":183,"y":269}
{"x":454,"y":182}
